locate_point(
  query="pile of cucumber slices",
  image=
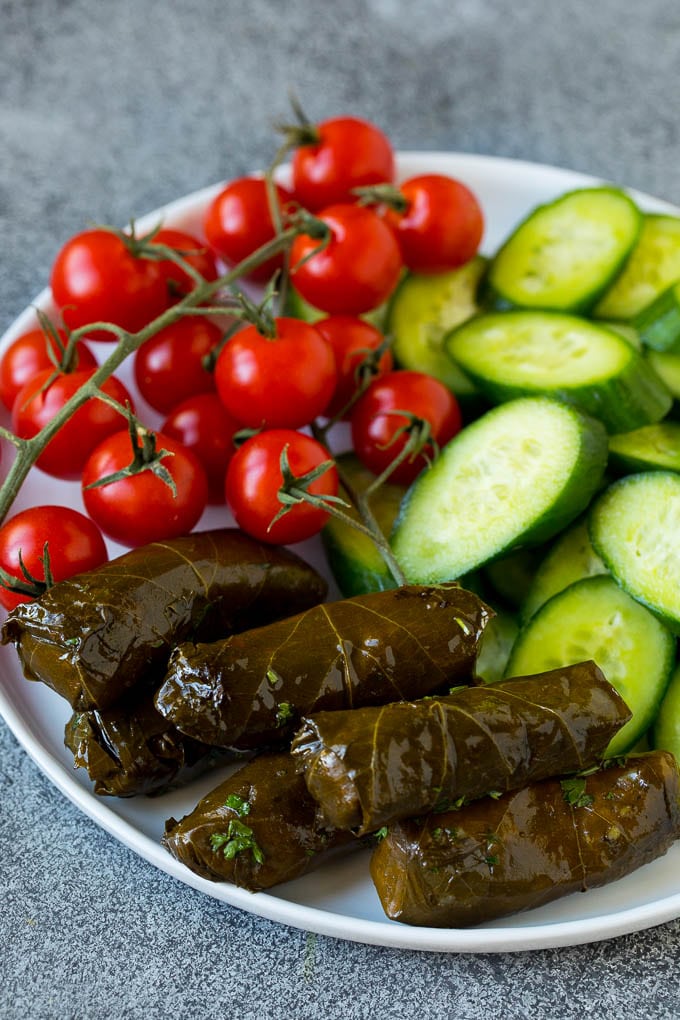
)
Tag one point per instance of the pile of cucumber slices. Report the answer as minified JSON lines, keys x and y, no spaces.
{"x":560,"y":500}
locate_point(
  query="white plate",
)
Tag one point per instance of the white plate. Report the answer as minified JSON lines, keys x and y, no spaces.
{"x":339,"y":899}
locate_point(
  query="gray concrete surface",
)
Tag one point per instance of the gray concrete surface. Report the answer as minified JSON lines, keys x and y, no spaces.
{"x":109,"y":107}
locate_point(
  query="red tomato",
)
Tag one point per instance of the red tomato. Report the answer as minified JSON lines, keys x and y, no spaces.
{"x":356,"y":271}
{"x":282,"y":382}
{"x":442,"y":226}
{"x":349,"y":153}
{"x":202,"y":425}
{"x":238,"y":222}
{"x":169,"y":366}
{"x":95,"y":278}
{"x":66,"y":453}
{"x":143,"y":508}
{"x":351,"y":339}
{"x":74,"y":545}
{"x":192,"y":251}
{"x":254,"y":479}
{"x":375,"y":429}
{"x":28,"y":355}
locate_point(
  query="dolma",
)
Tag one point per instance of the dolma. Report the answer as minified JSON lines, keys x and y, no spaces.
{"x":131,"y":749}
{"x":496,"y":857}
{"x":99,"y":634}
{"x":250,"y":690}
{"x":257,"y":829}
{"x":370,"y":766}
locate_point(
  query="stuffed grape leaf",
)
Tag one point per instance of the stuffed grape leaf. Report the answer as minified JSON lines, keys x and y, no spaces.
{"x":97,"y":635}
{"x":250,"y":690}
{"x":369,"y":766}
{"x":498,"y":856}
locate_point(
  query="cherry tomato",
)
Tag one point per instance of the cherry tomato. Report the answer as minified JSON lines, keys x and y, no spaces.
{"x":192,"y":251}
{"x":95,"y":278}
{"x":28,"y":355}
{"x":254,"y":479}
{"x":375,"y":429}
{"x":202,"y":425}
{"x":169,"y":366}
{"x":351,"y":340}
{"x":74,"y":542}
{"x":238,"y":222}
{"x":356,"y":271}
{"x":442,"y":226}
{"x":66,"y":453}
{"x":282,"y":382}
{"x":349,"y":153}
{"x":143,"y":508}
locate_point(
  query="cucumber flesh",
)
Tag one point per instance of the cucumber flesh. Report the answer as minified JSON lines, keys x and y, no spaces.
{"x":570,"y":559}
{"x":512,"y":576}
{"x":516,"y":476}
{"x":511,"y":354}
{"x":595,"y":619}
{"x":665,"y":733}
{"x":566,"y":253}
{"x":423,"y":310}
{"x":495,"y":647}
{"x":654,"y":264}
{"x":667,"y":367}
{"x":651,"y":448}
{"x":658,"y":325}
{"x":635,"y":528}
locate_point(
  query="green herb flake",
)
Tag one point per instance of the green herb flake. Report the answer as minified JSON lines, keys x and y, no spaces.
{"x":284,"y":713}
{"x":574,"y":792}
{"x":238,"y":837}
{"x":237,"y":804}
{"x":273,"y":677}
{"x":464,"y":626}
{"x":491,"y":860}
{"x":380,"y":834}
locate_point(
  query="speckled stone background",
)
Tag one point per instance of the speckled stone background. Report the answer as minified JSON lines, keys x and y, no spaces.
{"x":113,"y":107}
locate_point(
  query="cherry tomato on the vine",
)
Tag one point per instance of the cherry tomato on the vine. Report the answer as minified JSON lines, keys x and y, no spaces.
{"x":169,"y":366}
{"x":193,"y":251}
{"x":74,"y":542}
{"x":348,"y":153}
{"x":143,"y":508}
{"x":239,"y":221}
{"x":254,"y":479}
{"x":352,"y":340}
{"x":96,"y":278}
{"x":358,"y":268}
{"x":66,"y":453}
{"x":28,"y":355}
{"x":377,"y":432}
{"x":203,"y":425}
{"x":284,"y":381}
{"x":442,"y":226}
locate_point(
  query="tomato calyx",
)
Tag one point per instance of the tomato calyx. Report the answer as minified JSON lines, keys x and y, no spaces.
{"x":31,"y":586}
{"x":145,"y":457}
{"x":383,"y":194}
{"x":63,"y":356}
{"x":304,"y":132}
{"x":295,"y":488}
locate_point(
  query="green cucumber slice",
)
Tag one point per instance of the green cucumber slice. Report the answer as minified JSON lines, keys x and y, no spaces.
{"x":512,"y":576}
{"x":665,"y":733}
{"x":423,"y":310}
{"x":654,"y":264}
{"x":516,"y":476}
{"x":667,"y":367}
{"x":570,"y":559}
{"x":658,"y":324}
{"x":495,"y":647}
{"x":635,"y":528}
{"x":566,"y":253}
{"x":651,"y":448}
{"x":511,"y":354}
{"x":353,"y":558}
{"x":595,"y":619}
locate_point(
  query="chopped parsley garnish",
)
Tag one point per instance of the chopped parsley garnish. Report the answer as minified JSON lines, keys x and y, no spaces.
{"x":574,"y":792}
{"x":237,"y":804}
{"x":284,"y":713}
{"x":238,"y":837}
{"x":273,"y":677}
{"x":380,"y":834}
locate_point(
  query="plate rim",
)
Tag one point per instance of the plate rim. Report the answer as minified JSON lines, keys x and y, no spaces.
{"x":385,"y":933}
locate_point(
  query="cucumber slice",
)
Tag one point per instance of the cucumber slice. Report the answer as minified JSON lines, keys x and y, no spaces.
{"x":566,"y":253}
{"x":511,"y":576}
{"x":667,"y":367}
{"x":495,"y":647}
{"x":658,"y":324}
{"x":654,"y":264}
{"x":298,"y":308}
{"x":635,"y":528}
{"x":652,"y":448}
{"x":511,"y":354}
{"x":595,"y":619}
{"x":516,"y":476}
{"x":665,"y":733}
{"x":423,"y":310}
{"x":355,"y":563}
{"x":570,"y":559}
